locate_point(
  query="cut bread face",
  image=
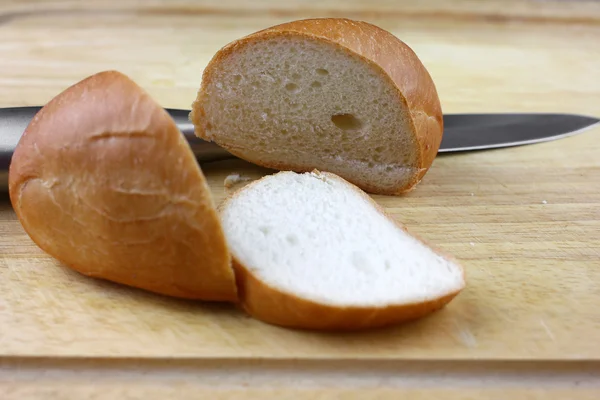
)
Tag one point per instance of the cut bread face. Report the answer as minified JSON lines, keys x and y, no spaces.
{"x":313,"y":251}
{"x":300,"y":96}
{"x":103,"y":181}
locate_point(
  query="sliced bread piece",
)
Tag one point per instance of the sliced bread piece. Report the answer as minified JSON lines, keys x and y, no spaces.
{"x":313,"y":251}
{"x":331,"y":94}
{"x":103,"y":181}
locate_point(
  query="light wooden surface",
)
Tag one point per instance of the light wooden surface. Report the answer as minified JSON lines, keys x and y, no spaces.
{"x":524,"y":221}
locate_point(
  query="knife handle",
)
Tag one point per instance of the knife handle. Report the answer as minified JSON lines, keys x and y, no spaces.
{"x":14,"y":120}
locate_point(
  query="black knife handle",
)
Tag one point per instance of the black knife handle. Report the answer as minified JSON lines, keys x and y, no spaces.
{"x":14,"y":120}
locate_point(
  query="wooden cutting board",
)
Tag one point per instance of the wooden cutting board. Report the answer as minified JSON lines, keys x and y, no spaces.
{"x":524,"y":221}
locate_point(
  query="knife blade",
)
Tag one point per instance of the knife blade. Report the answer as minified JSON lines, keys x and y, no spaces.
{"x":467,"y":132}
{"x":462,"y":132}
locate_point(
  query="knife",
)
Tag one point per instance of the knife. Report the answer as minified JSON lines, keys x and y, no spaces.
{"x":462,"y":132}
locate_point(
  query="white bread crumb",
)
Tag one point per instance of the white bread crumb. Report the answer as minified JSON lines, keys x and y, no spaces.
{"x":233,"y":179}
{"x":314,"y":236}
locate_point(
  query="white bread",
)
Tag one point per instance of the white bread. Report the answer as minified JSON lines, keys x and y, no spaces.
{"x":331,"y":94}
{"x":313,"y":251}
{"x":103,"y":181}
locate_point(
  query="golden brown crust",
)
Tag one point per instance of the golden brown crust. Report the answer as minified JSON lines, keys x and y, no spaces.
{"x":103,"y":181}
{"x":382,"y":50}
{"x":273,"y":306}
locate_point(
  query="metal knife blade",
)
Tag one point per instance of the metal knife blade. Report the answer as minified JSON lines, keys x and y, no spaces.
{"x":462,"y":132}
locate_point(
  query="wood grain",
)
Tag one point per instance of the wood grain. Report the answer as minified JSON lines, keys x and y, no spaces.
{"x":222,"y":379}
{"x":524,"y":221}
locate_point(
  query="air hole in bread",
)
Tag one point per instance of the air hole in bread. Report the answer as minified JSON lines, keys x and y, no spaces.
{"x":237,"y":78}
{"x":315,"y":84}
{"x":359,"y":261}
{"x":346,"y":122}
{"x":322,"y":71}
{"x":292,"y":239}
{"x":295,"y":75}
{"x":292,"y":87}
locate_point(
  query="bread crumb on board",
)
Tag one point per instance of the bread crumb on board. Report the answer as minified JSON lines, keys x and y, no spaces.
{"x":233,"y":179}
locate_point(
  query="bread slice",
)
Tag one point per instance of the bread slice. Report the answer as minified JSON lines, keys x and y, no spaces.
{"x":331,"y":94}
{"x":313,"y":251}
{"x":103,"y":181}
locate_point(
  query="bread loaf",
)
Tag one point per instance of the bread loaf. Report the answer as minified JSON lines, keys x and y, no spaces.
{"x":333,"y":94}
{"x":103,"y":181}
{"x":313,"y":251}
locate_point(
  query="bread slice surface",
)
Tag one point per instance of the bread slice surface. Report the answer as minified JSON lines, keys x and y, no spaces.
{"x":103,"y":181}
{"x":313,"y":251}
{"x":332,"y":94}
